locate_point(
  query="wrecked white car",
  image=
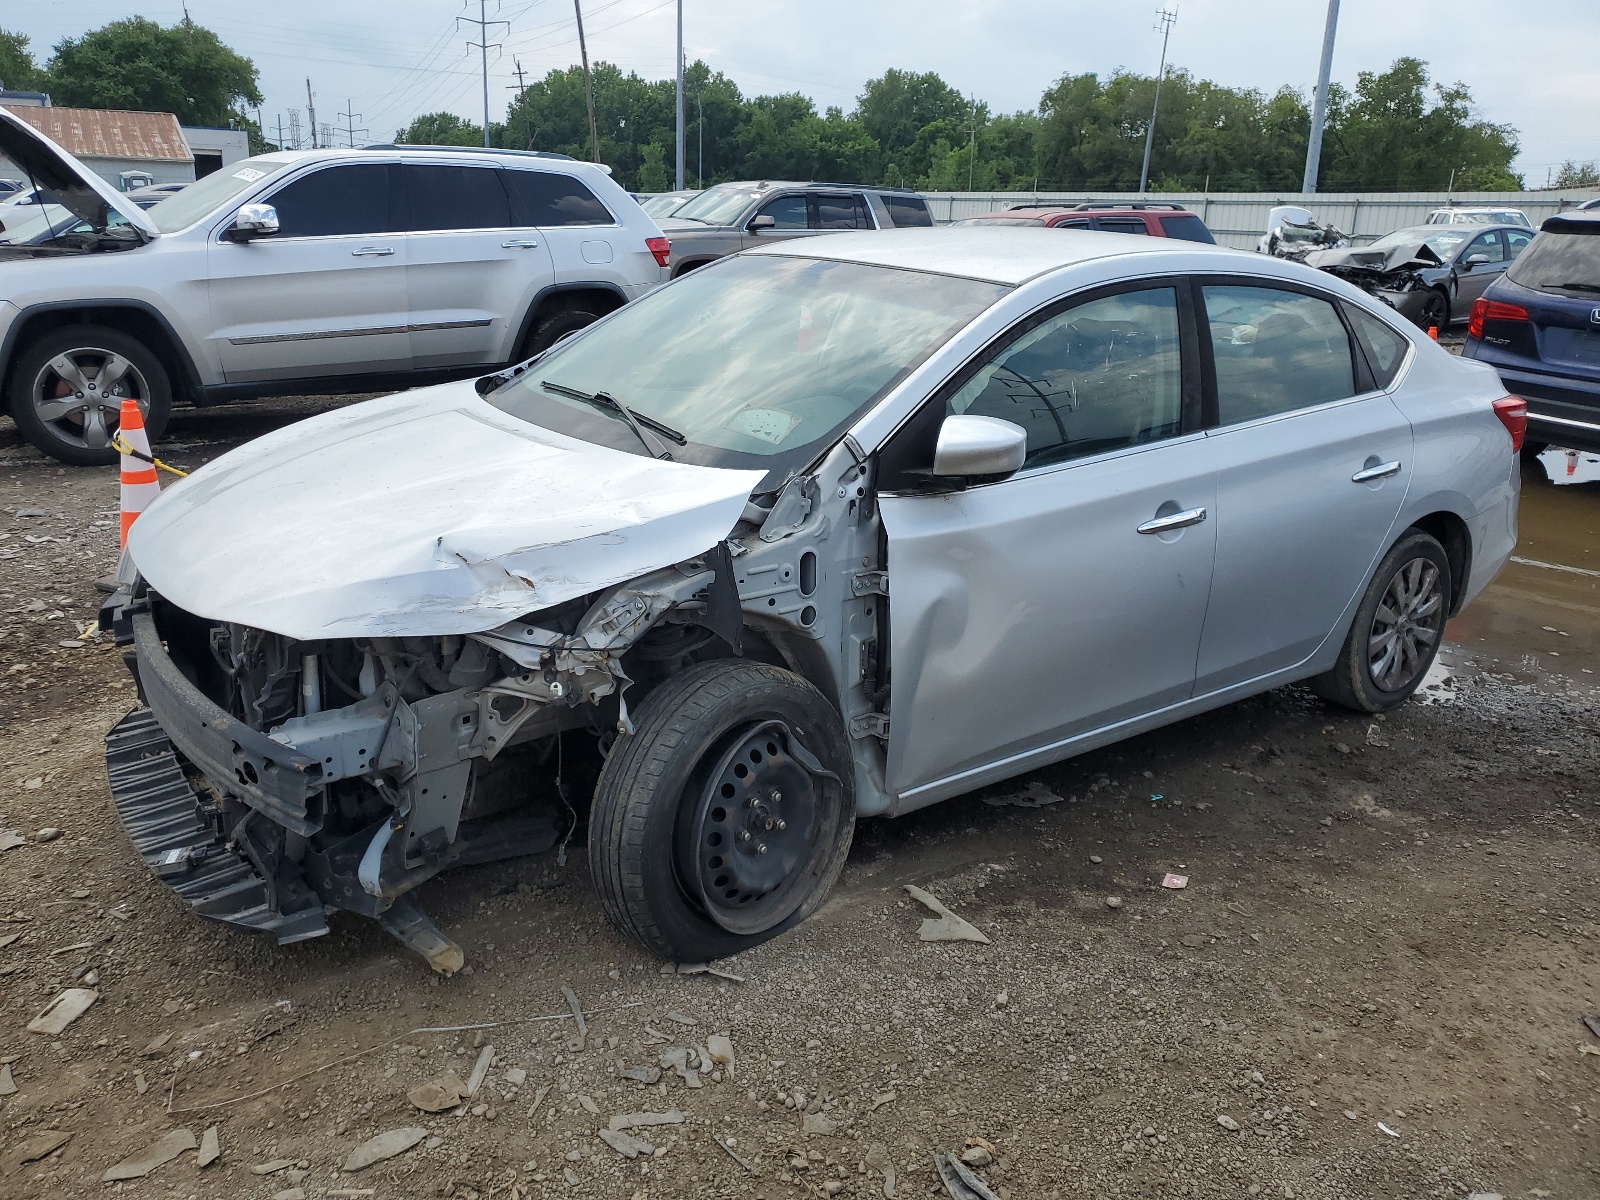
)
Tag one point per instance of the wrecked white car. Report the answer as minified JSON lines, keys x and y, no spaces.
{"x":1294,"y":232}
{"x":837,"y":528}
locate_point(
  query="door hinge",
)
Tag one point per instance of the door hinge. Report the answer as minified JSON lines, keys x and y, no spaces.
{"x":870,"y":725}
{"x":870,"y":583}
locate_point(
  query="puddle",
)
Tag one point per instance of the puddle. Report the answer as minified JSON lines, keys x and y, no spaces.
{"x":1540,"y":619}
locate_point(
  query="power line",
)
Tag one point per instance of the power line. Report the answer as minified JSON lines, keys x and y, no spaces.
{"x":483,"y":44}
{"x":1165,"y":19}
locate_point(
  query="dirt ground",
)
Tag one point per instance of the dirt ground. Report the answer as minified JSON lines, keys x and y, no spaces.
{"x":1371,"y":987}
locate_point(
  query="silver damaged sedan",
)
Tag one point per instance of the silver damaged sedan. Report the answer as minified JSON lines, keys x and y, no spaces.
{"x":833,"y":529}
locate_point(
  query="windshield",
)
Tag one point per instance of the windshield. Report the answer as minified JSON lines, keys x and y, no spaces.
{"x":999,"y":221}
{"x":760,"y":362}
{"x":717,"y":206}
{"x":24,"y":225}
{"x":182,"y":209}
{"x":1559,"y":262}
{"x":1442,"y":242}
{"x":664,"y":206}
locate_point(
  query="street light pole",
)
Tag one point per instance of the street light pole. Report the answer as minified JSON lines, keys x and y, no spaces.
{"x":679,"y":185}
{"x":1165,"y":19}
{"x":1319,"y":111}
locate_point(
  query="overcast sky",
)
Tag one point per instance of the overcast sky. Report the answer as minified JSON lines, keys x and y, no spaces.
{"x":1534,"y":64}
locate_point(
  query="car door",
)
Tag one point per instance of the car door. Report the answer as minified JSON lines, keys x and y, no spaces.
{"x":580,"y":232}
{"x":1516,"y":242}
{"x":1071,"y":595}
{"x":791,"y":215}
{"x":1477,"y":266}
{"x":843,"y":210}
{"x":326,"y":294}
{"x":1313,"y":463}
{"x":472,"y":272}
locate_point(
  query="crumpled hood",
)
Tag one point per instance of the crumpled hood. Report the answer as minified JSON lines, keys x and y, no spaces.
{"x":1413,"y":256}
{"x":425,"y":513}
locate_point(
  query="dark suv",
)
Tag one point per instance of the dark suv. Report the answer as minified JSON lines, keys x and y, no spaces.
{"x":1153,"y":219}
{"x":1539,"y":326}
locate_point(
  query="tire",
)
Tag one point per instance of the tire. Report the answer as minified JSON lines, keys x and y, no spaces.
{"x":43,"y":399}
{"x":1416,"y":565}
{"x":656,"y":832}
{"x":549,"y":330}
{"x":1435,"y":311}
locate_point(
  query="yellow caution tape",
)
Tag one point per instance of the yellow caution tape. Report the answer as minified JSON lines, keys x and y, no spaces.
{"x":122,"y":447}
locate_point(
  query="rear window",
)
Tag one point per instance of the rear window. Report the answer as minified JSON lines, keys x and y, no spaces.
{"x":907,"y":211}
{"x":1188,"y":227}
{"x":542,"y":199}
{"x":1564,"y":263}
{"x":1121,"y":224}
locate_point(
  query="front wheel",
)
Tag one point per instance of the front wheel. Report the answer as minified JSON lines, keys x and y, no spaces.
{"x":1397,"y":629}
{"x":68,"y":387}
{"x":726,"y":817}
{"x":1435,"y":311}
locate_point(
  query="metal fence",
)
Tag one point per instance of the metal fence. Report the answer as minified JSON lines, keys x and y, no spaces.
{"x":1239,"y":218}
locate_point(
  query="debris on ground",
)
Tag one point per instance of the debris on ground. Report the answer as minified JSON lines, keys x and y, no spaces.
{"x":385,"y":1145}
{"x":48,"y":834}
{"x":1385,"y":1129}
{"x":1227,"y":1123}
{"x":166,"y":1148}
{"x":626,"y":1144}
{"x":589,"y":1106}
{"x":645,"y":1075}
{"x":480,"y":1070}
{"x":700,"y":969}
{"x":8,"y":1086}
{"x":1175,"y":882}
{"x":818,"y":1125}
{"x":210,"y":1148}
{"x":438,"y":1095}
{"x":720,"y":1047}
{"x":31,"y":1149}
{"x":978,"y":1152}
{"x":63,"y":1011}
{"x":1113,"y":901}
{"x":676,"y":1058}
{"x":10,"y":839}
{"x":947,"y":927}
{"x":1035,"y":795}
{"x":734,"y":1154}
{"x":576,"y":1042}
{"x":677,"y":1018}
{"x":644,"y":1120}
{"x":960,"y":1181}
{"x":1592,"y":1024}
{"x":273,"y":1167}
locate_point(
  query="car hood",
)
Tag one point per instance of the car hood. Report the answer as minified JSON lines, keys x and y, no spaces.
{"x":1412,"y":256}
{"x":75,"y":187}
{"x":422,"y":514}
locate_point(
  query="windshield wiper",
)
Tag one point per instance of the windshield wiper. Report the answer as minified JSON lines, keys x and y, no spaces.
{"x":1580,"y":287}
{"x":637,"y":422}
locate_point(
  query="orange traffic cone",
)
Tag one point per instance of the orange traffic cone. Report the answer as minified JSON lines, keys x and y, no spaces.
{"x":139,"y":483}
{"x":1433,"y":332}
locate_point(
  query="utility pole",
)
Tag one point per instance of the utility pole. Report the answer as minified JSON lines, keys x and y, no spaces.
{"x":1165,"y":19}
{"x":588,"y":84}
{"x":972,"y":130}
{"x":1319,"y":110}
{"x":700,"y":132}
{"x":311,"y":113}
{"x":281,"y":146}
{"x":350,"y":129}
{"x":483,"y":43}
{"x":679,"y":185}
{"x":519,"y":73}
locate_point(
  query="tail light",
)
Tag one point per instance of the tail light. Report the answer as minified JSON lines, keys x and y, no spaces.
{"x":1484,"y":309}
{"x":660,"y":247}
{"x":1513,"y":414}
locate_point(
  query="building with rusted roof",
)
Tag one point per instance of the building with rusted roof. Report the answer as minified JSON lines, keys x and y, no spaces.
{"x":128,"y":149}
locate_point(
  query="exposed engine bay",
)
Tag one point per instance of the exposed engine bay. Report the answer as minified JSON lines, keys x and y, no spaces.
{"x":1394,"y":269}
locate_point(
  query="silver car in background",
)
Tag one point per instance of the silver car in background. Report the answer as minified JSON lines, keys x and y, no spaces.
{"x":836,"y":528}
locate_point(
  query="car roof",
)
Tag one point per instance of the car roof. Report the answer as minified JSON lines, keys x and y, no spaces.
{"x":1009,"y":254}
{"x":764,"y":185}
{"x":1578,"y":221}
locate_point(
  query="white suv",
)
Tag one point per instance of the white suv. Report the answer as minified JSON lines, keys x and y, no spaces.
{"x":309,"y":271}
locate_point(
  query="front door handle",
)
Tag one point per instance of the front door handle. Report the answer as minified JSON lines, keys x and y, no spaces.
{"x":372,"y":251}
{"x":1178,"y":520}
{"x":1381,"y":471}
{"x":519,"y":244}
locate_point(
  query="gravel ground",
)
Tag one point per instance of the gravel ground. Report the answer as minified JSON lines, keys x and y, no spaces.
{"x":1371,"y":986}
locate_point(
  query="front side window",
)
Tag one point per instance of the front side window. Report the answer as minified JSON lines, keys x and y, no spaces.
{"x":547,"y":199}
{"x":334,"y":202}
{"x":841,"y":212}
{"x":450,"y":197}
{"x":1485,"y":249}
{"x":1275,"y":351}
{"x":788,"y":211}
{"x":757,"y":362}
{"x":1099,"y":376}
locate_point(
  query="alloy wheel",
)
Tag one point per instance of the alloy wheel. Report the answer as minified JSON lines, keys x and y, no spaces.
{"x":78,"y":395}
{"x":1407,"y":624}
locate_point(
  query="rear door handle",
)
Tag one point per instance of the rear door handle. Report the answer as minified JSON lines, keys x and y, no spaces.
{"x":372,"y":251}
{"x":1178,"y":520}
{"x":517,"y":244}
{"x":1381,"y":471}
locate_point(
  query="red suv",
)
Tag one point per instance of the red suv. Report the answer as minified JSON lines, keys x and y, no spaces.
{"x":1155,"y":220}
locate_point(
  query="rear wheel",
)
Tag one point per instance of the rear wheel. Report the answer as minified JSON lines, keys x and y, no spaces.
{"x":550,"y":329}
{"x":725,"y":818}
{"x":68,"y":387}
{"x":1397,"y":629}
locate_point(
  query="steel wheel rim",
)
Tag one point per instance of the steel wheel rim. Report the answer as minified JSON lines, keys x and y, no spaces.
{"x":78,"y":395}
{"x":1406,"y":626}
{"x":752,"y":843}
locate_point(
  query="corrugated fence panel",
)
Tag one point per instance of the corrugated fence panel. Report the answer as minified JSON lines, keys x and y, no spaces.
{"x":1240,"y":218}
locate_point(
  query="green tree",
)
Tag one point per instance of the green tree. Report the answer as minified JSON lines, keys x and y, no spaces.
{"x":1577,"y":175}
{"x":18,"y":71}
{"x":442,"y":129}
{"x":137,"y":64}
{"x":652,"y":176}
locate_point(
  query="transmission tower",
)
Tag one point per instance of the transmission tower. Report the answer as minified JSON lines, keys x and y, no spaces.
{"x":350,"y":129}
{"x":484,"y":44}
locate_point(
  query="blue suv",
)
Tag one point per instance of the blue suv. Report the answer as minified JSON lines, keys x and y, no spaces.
{"x":1539,"y":326}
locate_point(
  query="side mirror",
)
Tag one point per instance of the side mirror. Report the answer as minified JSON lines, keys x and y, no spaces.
{"x":979,"y":447}
{"x":1476,"y":259}
{"x":762,"y":221}
{"x":252,"y":221}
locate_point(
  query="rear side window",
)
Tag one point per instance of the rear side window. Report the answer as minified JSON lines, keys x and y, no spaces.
{"x":1187,"y":227}
{"x":335,"y":201}
{"x":841,"y":212}
{"x":1385,"y":349}
{"x":1564,"y":263}
{"x":1516,"y":241}
{"x":1121,"y":224}
{"x":542,"y":199}
{"x":1275,"y":351}
{"x":907,"y":211}
{"x":447,"y":197}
